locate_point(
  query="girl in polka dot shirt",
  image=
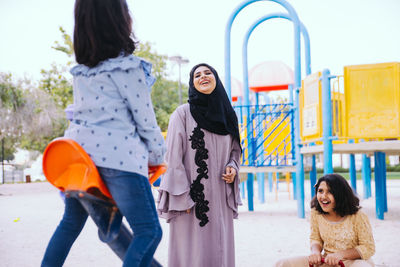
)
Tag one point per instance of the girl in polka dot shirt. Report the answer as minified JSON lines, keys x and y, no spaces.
{"x":114,"y":121}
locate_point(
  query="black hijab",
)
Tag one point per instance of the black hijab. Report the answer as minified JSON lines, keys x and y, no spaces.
{"x":213,"y":112}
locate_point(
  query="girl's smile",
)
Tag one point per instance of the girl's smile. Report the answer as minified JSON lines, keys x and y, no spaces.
{"x":325,"y":198}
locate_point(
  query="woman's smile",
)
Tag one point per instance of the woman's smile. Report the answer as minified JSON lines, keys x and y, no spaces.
{"x":204,"y":80}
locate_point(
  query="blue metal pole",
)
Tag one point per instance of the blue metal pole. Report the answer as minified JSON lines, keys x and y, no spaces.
{"x":250,"y":182}
{"x":260,"y":175}
{"x":246,"y":98}
{"x":313,"y":175}
{"x":299,"y":162}
{"x":297,"y":86}
{"x":327,"y":121}
{"x":294,"y":179}
{"x":352,"y":170}
{"x":242,"y":189}
{"x":293,"y":138}
{"x":384,"y":181}
{"x":379,"y":193}
{"x":261,"y":185}
{"x":270,"y":181}
{"x":366,"y":176}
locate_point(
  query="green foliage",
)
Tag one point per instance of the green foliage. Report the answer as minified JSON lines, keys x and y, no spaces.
{"x":67,"y":47}
{"x":59,"y":88}
{"x":165,"y":100}
{"x":12,"y":100}
{"x":39,"y":142}
{"x":10,"y":95}
{"x":26,"y":113}
{"x":395,"y":168}
{"x":9,"y":148}
{"x":340,"y":170}
{"x":57,"y":85}
{"x":158,"y":61}
{"x":164,"y":94}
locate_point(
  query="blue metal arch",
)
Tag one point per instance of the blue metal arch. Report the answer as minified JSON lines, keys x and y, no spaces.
{"x":297,"y":84}
{"x":228,"y":29}
{"x":307,"y":53}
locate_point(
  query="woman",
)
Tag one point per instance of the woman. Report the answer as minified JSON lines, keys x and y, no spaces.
{"x":199,"y":193}
{"x":114,"y":121}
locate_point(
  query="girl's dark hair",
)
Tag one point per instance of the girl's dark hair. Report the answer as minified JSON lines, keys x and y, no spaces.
{"x":347,"y":202}
{"x":103,"y":29}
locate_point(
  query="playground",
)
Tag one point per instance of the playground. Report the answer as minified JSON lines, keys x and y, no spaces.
{"x":30,"y":213}
{"x":354,"y":113}
{"x":324,"y":113}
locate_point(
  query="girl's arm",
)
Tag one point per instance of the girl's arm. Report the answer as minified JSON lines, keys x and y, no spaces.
{"x":348,"y":254}
{"x":366,"y":243}
{"x":315,"y":256}
{"x":315,"y":240}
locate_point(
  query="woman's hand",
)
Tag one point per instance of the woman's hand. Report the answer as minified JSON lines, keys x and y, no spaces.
{"x":315,"y":258}
{"x":333,"y":259}
{"x":229,"y":175}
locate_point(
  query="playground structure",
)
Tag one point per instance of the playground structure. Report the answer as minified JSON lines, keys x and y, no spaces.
{"x":321,"y":116}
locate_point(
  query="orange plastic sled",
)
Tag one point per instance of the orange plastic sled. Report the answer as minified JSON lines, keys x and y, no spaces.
{"x":68,"y":167}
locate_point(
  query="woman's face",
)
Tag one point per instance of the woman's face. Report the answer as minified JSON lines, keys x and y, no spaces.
{"x":325,"y":198}
{"x":204,"y":80}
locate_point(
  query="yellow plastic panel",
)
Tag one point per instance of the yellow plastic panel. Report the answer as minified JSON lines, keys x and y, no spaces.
{"x":372,"y":100}
{"x":243,"y":136}
{"x":338,"y":111}
{"x":279,"y":142}
{"x":310,"y":108}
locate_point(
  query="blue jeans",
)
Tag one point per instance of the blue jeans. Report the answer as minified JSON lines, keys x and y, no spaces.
{"x":132,"y":193}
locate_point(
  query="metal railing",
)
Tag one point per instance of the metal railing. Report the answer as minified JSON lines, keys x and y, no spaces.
{"x":266,"y":134}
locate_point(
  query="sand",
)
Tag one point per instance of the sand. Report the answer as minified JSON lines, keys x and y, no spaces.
{"x":31,"y":212}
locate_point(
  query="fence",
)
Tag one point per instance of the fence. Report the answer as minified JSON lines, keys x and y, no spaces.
{"x":266,"y":133}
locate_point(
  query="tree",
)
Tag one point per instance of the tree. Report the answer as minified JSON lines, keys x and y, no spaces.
{"x":54,"y":94}
{"x":27,"y":114}
{"x":68,"y":46}
{"x":164,"y":92}
{"x":11,"y":123}
{"x":47,"y":120}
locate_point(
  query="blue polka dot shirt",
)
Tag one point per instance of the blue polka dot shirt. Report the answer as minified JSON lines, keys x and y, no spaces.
{"x":113,"y":117}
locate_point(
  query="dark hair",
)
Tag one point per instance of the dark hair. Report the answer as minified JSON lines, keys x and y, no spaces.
{"x":347,"y":202}
{"x":103,"y":30}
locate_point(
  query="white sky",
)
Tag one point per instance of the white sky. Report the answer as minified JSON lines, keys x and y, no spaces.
{"x":342,"y":32}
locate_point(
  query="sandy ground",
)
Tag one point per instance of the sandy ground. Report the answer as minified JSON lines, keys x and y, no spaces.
{"x":31,"y":212}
